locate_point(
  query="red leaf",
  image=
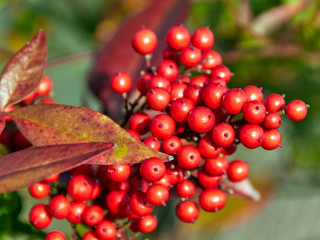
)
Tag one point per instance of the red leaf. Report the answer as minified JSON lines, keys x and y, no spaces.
{"x":23,"y":73}
{"x":118,"y":55}
{"x":23,"y":168}
{"x":59,"y":124}
{"x":2,"y":122}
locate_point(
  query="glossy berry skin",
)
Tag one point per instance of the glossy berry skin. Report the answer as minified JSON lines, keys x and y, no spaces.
{"x":162,"y":126}
{"x":52,"y":178}
{"x":171,"y":145}
{"x":59,"y":206}
{"x":118,"y":173}
{"x":158,"y":98}
{"x":145,"y":41}
{"x":188,"y":157}
{"x":153,"y":143}
{"x":92,"y":215}
{"x":274,"y":102}
{"x":116,"y":200}
{"x":187,"y":211}
{"x":251,"y":135}
{"x":185,"y":188}
{"x":157,"y":194}
{"x":216,"y":166}
{"x":221,"y":72}
{"x":296,"y":110}
{"x":168,"y":69}
{"x":223,"y":134}
{"x":193,"y":92}
{"x":272,"y":121}
{"x":201,"y":119}
{"x":200,"y":80}
{"x":39,"y":216}
{"x":140,"y":205}
{"x":177,"y":90}
{"x":238,"y":171}
{"x":55,"y":235}
{"x":106,"y":230}
{"x":180,"y":109}
{"x":211,"y":59}
{"x":253,"y":93}
{"x":212,"y":95}
{"x":208,"y":148}
{"x":174,"y":173}
{"x":39,"y":190}
{"x":75,"y":212}
{"x":158,"y":81}
{"x":90,"y":236}
{"x":203,"y":38}
{"x":147,"y":224}
{"x":152,"y":169}
{"x":233,"y":100}
{"x":207,"y":181}
{"x":121,"y":83}
{"x":190,"y":56}
{"x":139,"y":122}
{"x":254,"y":112}
{"x":271,"y":139}
{"x":45,"y":86}
{"x":178,"y":37}
{"x":170,"y":54}
{"x":142,"y":83}
{"x":212,"y":200}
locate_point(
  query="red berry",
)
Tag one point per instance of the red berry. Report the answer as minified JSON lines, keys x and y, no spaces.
{"x":140,"y":205}
{"x":212,"y":200}
{"x":139,"y":122}
{"x":233,"y":100}
{"x":178,"y":37}
{"x":158,"y":81}
{"x":39,"y":190}
{"x":223,"y":134}
{"x":145,"y":41}
{"x":253,"y":93}
{"x":116,"y":200}
{"x":158,"y":98}
{"x":153,"y":143}
{"x":208,"y":148}
{"x":84,"y":169}
{"x":200,"y":80}
{"x":177,"y":90}
{"x":207,"y":181}
{"x":75,"y":212}
{"x":92,"y":215}
{"x":188,"y":157}
{"x":162,"y":126}
{"x":238,"y":171}
{"x":39,"y":216}
{"x":193,"y":92}
{"x":121,"y":82}
{"x":212,"y":95}
{"x":106,"y":230}
{"x":190,"y":56}
{"x":168,"y":69}
{"x":203,"y":38}
{"x":134,"y":134}
{"x":157,"y":194}
{"x":211,"y":59}
{"x":272,"y":120}
{"x":201,"y":119}
{"x":271,"y":139}
{"x":147,"y":223}
{"x":221,"y":72}
{"x":55,"y":235}
{"x":180,"y":109}
{"x":59,"y":206}
{"x":170,"y":54}
{"x":171,"y":145}
{"x":80,"y":188}
{"x":152,"y":169}
{"x":216,"y":166}
{"x":45,"y":86}
{"x":274,"y":102}
{"x":187,"y":211}
{"x":296,"y":110}
{"x":52,"y":178}
{"x":143,"y":82}
{"x":185,"y":188}
{"x":118,"y":173}
{"x":90,"y":236}
{"x":174,"y":173}
{"x":254,"y":112}
{"x":251,"y":135}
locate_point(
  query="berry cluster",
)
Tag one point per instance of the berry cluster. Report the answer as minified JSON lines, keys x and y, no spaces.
{"x":186,"y":110}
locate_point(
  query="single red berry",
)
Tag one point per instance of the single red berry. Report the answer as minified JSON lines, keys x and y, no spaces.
{"x":75,"y":212}
{"x":45,"y":86}
{"x":231,"y":149}
{"x":140,"y":205}
{"x":165,"y":181}
{"x":168,"y":69}
{"x":177,"y":90}
{"x":153,"y":143}
{"x":238,"y":171}
{"x":118,"y":173}
{"x":185,"y":188}
{"x":221,"y":72}
{"x":80,"y":188}
{"x":48,"y":101}
{"x":188,"y":157}
{"x":39,"y":190}
{"x":145,"y":41}
{"x":190,"y":56}
{"x":254,"y":112}
{"x":92,"y":215}
{"x":211,"y":59}
{"x":143,"y":82}
{"x":106,"y":230}
{"x":271,"y":139}
{"x":253,"y":93}
{"x":121,"y":83}
{"x":251,"y":135}
{"x":152,"y":169}
{"x":193,"y":92}
{"x":212,"y":95}
{"x":221,"y":114}
{"x":200,"y":80}
{"x":170,"y":54}
{"x":158,"y":98}
{"x":171,"y":145}
{"x":59,"y":206}
{"x":212,"y":200}
{"x":180,"y":109}
{"x":162,"y":126}
{"x":157,"y":194}
{"x":39,"y":216}
{"x":223,"y":134}
{"x":134,"y":134}
{"x":208,"y":148}
{"x":296,"y":110}
{"x":116,"y":200}
{"x":55,"y":235}
{"x":178,"y":37}
{"x":139,"y":122}
{"x":201,"y":119}
{"x":272,"y":121}
{"x":187,"y":211}
{"x":203,"y":38}
{"x":274,"y":102}
{"x":174,"y":173}
{"x":233,"y":100}
{"x":91,"y":235}
{"x":207,"y":181}
{"x":96,"y":190}
{"x":52,"y":178}
{"x":216,"y":166}
{"x":160,"y":82}
{"x":147,"y":223}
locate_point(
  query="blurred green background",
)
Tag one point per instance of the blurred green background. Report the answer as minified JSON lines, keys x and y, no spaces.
{"x":270,"y":43}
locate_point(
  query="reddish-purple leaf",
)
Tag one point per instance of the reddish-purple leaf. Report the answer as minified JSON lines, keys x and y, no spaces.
{"x":23,"y":168}
{"x":243,"y":189}
{"x":50,"y":124}
{"x":23,"y":73}
{"x":2,"y":121}
{"x":118,"y":55}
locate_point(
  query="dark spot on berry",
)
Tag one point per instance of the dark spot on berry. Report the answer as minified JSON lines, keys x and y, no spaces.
{"x":85,"y":183}
{"x":260,"y":140}
{"x":209,"y":116}
{"x":171,"y":144}
{"x":226,"y":134}
{"x":257,"y":107}
{"x":92,"y":218}
{"x":183,"y":100}
{"x":171,"y":65}
{"x":155,"y":169}
{"x":104,"y":229}
{"x":192,"y":156}
{"x":55,"y":210}
{"x":160,"y":125}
